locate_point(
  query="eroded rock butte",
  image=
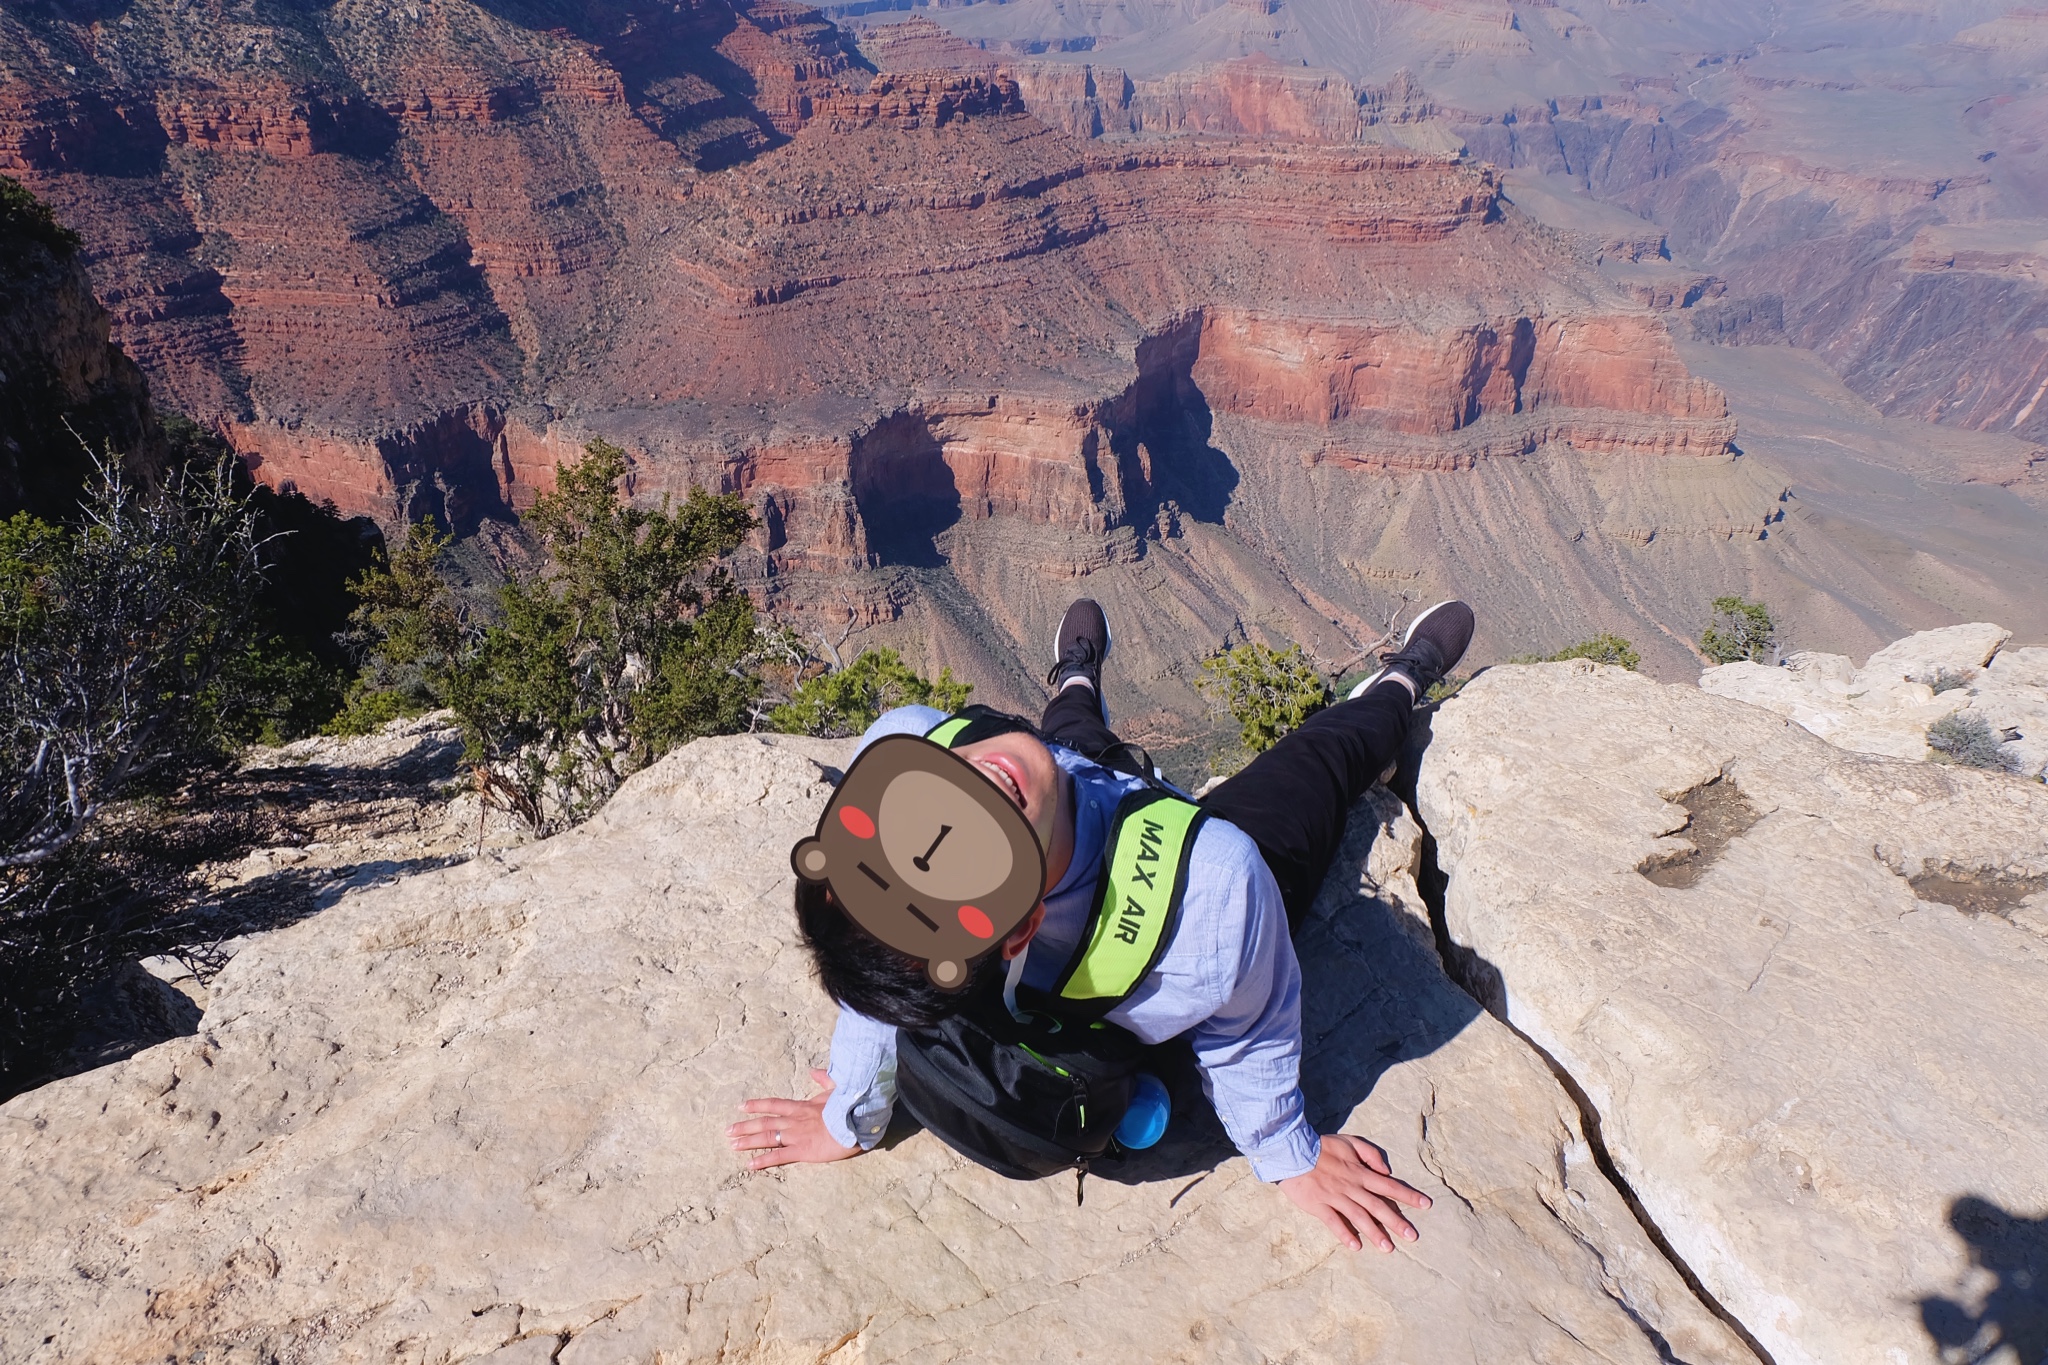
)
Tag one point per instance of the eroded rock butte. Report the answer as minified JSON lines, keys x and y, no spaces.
{"x":410,"y":258}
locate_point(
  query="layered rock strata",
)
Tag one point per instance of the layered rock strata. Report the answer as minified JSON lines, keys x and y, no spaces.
{"x":1251,"y":378}
{"x":1802,"y":989}
{"x":1256,"y":96}
{"x":1876,"y":185}
{"x":497,"y":221}
{"x":479,"y":1115}
{"x":363,"y":217}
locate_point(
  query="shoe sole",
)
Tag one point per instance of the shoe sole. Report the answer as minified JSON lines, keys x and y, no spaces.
{"x":1355,"y":693}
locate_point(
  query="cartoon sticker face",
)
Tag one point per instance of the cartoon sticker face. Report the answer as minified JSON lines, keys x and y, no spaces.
{"x":926,"y":854}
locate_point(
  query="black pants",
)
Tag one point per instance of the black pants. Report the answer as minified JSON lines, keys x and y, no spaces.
{"x":1293,"y":798}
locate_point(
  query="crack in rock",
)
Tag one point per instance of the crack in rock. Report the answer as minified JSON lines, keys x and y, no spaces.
{"x":1434,"y":883}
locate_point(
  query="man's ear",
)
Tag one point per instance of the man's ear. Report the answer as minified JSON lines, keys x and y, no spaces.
{"x":1021,"y":935}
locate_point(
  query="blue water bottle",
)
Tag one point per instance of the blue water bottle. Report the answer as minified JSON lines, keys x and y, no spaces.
{"x":1145,"y":1121}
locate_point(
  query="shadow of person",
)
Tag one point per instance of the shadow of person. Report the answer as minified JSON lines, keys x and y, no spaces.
{"x":1373,"y":994}
{"x":2010,"y":1326}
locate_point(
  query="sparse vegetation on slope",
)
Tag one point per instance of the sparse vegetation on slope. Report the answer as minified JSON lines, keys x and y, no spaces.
{"x":24,"y":214}
{"x":1601,"y":649}
{"x":1948,"y":680}
{"x":1965,"y":737}
{"x":1741,"y":630}
{"x":1445,"y":690}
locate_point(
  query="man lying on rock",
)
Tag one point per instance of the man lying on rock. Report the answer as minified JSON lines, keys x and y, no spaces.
{"x":1032,"y":1061}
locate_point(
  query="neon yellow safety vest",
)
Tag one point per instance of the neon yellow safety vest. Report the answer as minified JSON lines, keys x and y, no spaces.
{"x":1137,"y":897}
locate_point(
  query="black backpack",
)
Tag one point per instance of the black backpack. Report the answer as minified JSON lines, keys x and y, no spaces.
{"x":1032,"y":1096}
{"x":1024,"y":1098}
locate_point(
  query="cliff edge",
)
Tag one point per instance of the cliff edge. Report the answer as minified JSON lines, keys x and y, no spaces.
{"x":1803,"y":988}
{"x":478,"y":1114}
{"x":1757,"y":1079}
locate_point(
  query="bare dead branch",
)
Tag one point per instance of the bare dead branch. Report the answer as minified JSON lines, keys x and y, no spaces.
{"x":1388,"y":637}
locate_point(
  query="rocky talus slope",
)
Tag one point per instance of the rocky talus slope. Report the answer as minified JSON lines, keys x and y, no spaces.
{"x":1804,"y":989}
{"x":478,"y":1115}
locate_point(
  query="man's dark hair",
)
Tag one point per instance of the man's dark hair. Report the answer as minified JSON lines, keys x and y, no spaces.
{"x":865,"y":974}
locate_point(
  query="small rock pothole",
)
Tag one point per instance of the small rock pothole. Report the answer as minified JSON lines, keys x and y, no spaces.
{"x":1977,"y":893}
{"x":1720,"y":814}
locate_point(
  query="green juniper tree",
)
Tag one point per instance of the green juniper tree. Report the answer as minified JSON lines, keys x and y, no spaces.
{"x":1267,"y":691}
{"x":629,"y":641}
{"x":411,"y":630}
{"x":657,"y":631}
{"x":1741,"y":630}
{"x":848,"y":700}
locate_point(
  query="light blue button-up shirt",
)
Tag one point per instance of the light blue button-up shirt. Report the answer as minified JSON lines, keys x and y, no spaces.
{"x":1229,"y":980}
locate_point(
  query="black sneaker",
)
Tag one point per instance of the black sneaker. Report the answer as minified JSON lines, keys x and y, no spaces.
{"x":1080,"y":647}
{"x":1435,"y":641}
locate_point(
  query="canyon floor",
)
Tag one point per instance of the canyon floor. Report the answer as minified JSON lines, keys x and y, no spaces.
{"x":1959,"y":518}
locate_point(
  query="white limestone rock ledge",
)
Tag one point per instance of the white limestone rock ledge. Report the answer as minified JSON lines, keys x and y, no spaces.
{"x":1829,"y":1093}
{"x":476,"y":1115}
{"x":1885,"y":706}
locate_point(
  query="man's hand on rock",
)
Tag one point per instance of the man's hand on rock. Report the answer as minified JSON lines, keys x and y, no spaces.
{"x":793,"y":1130}
{"x":1353,"y":1190}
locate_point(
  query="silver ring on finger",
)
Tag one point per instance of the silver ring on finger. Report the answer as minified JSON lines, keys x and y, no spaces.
{"x":778,"y":1137}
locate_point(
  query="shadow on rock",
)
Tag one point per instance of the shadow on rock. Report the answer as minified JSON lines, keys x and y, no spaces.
{"x":1473,"y":974}
{"x":906,"y":492}
{"x":235,"y":854}
{"x":288,"y":896}
{"x":1374,"y":992}
{"x":1162,"y":434}
{"x":135,"y":1008}
{"x":2010,"y":1323}
{"x":122,"y":1014}
{"x":666,"y":55}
